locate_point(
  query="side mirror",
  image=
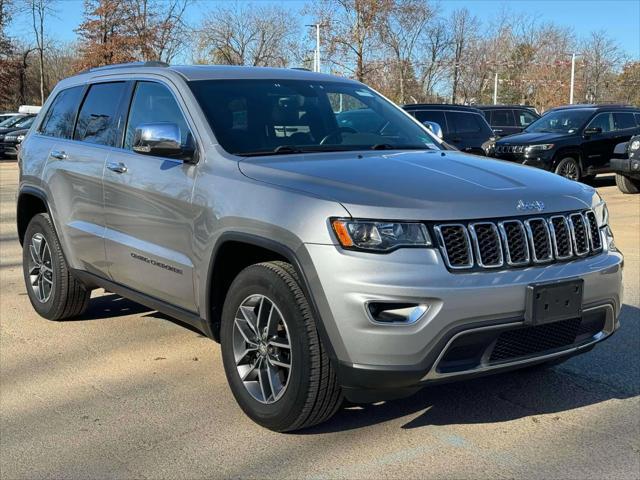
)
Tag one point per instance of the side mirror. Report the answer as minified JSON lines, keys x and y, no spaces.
{"x":435,"y":128}
{"x":592,"y":131}
{"x":161,"y":139}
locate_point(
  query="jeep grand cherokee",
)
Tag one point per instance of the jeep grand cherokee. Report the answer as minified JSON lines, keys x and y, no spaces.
{"x":329,"y":262}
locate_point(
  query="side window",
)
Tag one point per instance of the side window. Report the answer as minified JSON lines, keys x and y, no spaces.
{"x":462,"y":122}
{"x":623,"y":120}
{"x":524,"y":118}
{"x":502,"y":118}
{"x":432,"y":116}
{"x":59,"y":120}
{"x":603,"y":121}
{"x":637,"y":115}
{"x":154,"y":103}
{"x":99,"y":120}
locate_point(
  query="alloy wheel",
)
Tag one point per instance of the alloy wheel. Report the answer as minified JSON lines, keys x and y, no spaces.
{"x":262,"y":348}
{"x":40,"y":270}
{"x":569,"y":170}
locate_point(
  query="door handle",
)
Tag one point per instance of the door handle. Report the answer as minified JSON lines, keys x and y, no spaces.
{"x":117,"y":167}
{"x":59,"y":154}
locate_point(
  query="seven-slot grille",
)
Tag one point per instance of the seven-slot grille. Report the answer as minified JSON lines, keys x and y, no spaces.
{"x":516,"y":243}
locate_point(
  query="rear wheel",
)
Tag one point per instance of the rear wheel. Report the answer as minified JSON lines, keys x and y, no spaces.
{"x":569,"y":168}
{"x":627,"y":185}
{"x":54,"y":292}
{"x":273,"y":358}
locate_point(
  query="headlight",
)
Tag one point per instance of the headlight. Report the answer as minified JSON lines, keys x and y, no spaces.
{"x":601,"y":211}
{"x":380,"y":236}
{"x":539,"y":148}
{"x":19,"y":138}
{"x":635,"y":145}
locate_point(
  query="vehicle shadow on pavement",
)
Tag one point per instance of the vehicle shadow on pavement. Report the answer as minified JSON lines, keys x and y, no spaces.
{"x":609,"y":371}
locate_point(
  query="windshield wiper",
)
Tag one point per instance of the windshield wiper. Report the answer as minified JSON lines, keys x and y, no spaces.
{"x":388,"y":146}
{"x":291,"y":149}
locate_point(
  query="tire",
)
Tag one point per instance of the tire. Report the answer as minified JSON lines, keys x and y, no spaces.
{"x":66,"y":296}
{"x":305,"y":394}
{"x":569,"y":168}
{"x":627,"y":185}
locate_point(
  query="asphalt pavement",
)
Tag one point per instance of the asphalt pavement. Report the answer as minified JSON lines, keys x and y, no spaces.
{"x":126,"y":392}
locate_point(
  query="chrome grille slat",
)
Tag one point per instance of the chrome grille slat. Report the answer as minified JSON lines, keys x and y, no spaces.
{"x":594,"y":232}
{"x":487,"y":245}
{"x":539,"y":240}
{"x":516,"y":243}
{"x":560,"y":237}
{"x":578,"y":226}
{"x":514,"y":239}
{"x":455,"y":245}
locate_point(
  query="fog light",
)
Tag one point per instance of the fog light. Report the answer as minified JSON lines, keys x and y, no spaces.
{"x":404,"y":313}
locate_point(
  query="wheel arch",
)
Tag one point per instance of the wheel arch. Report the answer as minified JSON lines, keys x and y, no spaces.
{"x":31,"y":201}
{"x":574,"y":152}
{"x":224,"y":266}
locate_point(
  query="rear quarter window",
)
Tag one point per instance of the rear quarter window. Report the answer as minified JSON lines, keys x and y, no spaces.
{"x":466,"y":123}
{"x":60,"y":117}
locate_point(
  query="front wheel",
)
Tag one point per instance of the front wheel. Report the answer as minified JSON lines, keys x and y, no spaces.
{"x":273,"y":358}
{"x":569,"y":168}
{"x":627,"y":185}
{"x":54,"y":292}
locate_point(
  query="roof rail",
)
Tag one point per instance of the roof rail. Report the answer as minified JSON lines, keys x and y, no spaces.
{"x":300,"y":68}
{"x":129,"y":65}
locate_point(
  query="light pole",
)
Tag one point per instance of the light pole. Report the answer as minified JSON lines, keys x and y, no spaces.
{"x":316,"y":53}
{"x":573,"y":74}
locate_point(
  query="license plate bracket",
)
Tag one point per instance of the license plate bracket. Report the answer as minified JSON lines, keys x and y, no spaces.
{"x":553,"y":302}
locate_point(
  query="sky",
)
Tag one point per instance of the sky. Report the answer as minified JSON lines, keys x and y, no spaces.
{"x":619,"y":18}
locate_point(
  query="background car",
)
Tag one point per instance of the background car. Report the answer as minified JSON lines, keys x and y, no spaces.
{"x":24,"y":123}
{"x":626,"y":164}
{"x":575,"y":141}
{"x":9,"y":145}
{"x":508,"y":119}
{"x":463,"y":127}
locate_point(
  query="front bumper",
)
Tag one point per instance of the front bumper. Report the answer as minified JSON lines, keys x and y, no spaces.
{"x":8,"y":149}
{"x":376,"y":361}
{"x":543,"y":160}
{"x":629,"y":167}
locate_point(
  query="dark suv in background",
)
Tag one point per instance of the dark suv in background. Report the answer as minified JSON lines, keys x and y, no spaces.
{"x":575,"y":141}
{"x":508,"y":119}
{"x":463,"y":127}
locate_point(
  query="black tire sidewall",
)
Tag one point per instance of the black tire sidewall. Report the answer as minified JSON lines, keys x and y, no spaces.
{"x":259,"y":279}
{"x":40,"y":224}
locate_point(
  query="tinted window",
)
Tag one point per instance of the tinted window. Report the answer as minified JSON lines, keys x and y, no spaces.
{"x":502,"y":118}
{"x":257,"y":117}
{"x":99,"y":120}
{"x":154,"y":103}
{"x":461,"y":122}
{"x":62,"y":113}
{"x":604,"y":121}
{"x":432,"y":116}
{"x":637,"y":115}
{"x":524,"y":118}
{"x":623,"y":120}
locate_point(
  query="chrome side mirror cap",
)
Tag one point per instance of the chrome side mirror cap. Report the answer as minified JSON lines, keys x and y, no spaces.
{"x":162,"y":139}
{"x":435,"y":128}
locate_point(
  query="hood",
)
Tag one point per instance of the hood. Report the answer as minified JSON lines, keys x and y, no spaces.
{"x":526,"y":138}
{"x":420,"y":185}
{"x":4,"y":131}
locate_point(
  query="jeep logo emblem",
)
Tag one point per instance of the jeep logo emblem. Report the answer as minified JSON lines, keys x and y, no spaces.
{"x":527,"y":206}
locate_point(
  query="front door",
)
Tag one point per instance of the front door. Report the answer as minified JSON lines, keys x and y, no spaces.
{"x":148,"y":209}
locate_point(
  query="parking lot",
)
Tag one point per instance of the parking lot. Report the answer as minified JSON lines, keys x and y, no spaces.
{"x":127,"y":392}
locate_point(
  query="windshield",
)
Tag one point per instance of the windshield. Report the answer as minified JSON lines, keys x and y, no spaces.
{"x":10,"y":121}
{"x":561,"y":121}
{"x":26,"y":123}
{"x":262,"y":117}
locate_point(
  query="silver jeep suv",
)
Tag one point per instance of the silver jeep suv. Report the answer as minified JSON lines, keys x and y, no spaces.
{"x":331,"y":244}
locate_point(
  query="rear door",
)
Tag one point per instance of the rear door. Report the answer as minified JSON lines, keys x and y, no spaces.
{"x":468,"y":131}
{"x":502,"y":122}
{"x":148,"y":208}
{"x":598,"y":148}
{"x":75,"y":166}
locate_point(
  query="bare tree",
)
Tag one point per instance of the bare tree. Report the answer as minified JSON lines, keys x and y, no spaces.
{"x":432,"y":65}
{"x":39,"y":10}
{"x":464,"y":31}
{"x":601,"y":56}
{"x":247,"y":35}
{"x":401,"y":33}
{"x":352,"y":37}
